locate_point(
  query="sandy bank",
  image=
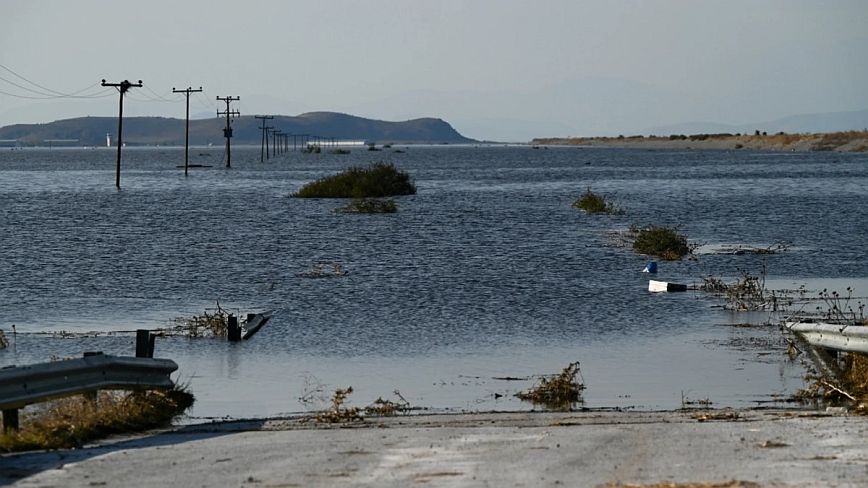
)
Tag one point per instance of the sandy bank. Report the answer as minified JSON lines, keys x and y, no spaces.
{"x":854,"y":141}
{"x":771,"y":448}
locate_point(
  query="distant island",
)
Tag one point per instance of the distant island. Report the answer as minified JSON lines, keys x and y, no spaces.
{"x":849,"y":141}
{"x":161,"y":131}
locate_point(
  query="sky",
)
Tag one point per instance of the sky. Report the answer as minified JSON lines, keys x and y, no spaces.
{"x":506,"y":70}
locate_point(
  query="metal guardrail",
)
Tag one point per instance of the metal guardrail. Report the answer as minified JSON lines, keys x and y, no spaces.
{"x":23,"y":385}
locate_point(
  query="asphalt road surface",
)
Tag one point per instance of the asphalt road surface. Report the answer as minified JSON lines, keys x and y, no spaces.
{"x":766,"y":448}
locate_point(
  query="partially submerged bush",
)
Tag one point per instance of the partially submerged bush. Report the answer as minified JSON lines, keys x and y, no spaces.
{"x":370,"y":206}
{"x":558,"y":392}
{"x":594,"y":203}
{"x":209,"y":324}
{"x":72,"y":421}
{"x":849,"y":387}
{"x":375,"y":181}
{"x":3,"y":341}
{"x":663,"y":242}
{"x":746,"y":294}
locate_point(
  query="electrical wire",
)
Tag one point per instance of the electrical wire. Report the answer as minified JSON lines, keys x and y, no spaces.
{"x":47,"y":93}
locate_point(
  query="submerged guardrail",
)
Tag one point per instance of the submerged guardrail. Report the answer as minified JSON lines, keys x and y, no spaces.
{"x":24,"y":385}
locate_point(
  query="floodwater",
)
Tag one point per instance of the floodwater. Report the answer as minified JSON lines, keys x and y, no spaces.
{"x":486,"y":273}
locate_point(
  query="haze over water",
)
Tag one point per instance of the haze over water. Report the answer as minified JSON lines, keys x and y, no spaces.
{"x":486,"y":272}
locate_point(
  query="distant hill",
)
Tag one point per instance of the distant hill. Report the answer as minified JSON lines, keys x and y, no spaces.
{"x":91,"y":131}
{"x":804,"y":123}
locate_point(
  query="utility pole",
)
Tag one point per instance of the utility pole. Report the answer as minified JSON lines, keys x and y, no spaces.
{"x":187,"y":92}
{"x":274,"y":135}
{"x":122,"y":89}
{"x":268,"y":131}
{"x":227,"y":132}
{"x":263,"y":118}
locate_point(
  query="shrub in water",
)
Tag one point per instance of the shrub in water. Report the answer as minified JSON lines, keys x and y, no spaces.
{"x":376,"y":181}
{"x":664,"y":242}
{"x":593,"y":203}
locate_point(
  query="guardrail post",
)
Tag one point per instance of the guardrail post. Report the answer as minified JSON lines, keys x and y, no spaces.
{"x":10,"y":419}
{"x":234,"y":332}
{"x":144,"y":347}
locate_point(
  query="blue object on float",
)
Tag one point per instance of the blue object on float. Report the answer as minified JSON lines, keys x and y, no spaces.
{"x":651,"y":267}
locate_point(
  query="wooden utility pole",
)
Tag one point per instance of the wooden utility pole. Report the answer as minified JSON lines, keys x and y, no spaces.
{"x":227,"y":132}
{"x":276,"y":140}
{"x":187,"y":92}
{"x":263,"y":118}
{"x":122,"y":89}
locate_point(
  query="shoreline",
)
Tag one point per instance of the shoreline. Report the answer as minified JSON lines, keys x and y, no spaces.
{"x":758,"y":447}
{"x":853,"y":141}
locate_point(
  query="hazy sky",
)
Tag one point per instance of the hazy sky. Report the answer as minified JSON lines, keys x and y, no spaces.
{"x":508,"y":69}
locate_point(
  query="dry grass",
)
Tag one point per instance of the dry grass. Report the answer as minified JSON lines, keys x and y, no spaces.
{"x":850,"y":387}
{"x":72,"y":421}
{"x":338,"y":413}
{"x":387,"y":408}
{"x":558,"y":392}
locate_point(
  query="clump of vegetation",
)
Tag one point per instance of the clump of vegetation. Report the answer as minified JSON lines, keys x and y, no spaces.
{"x":72,"y":421}
{"x":312,"y":149}
{"x":4,"y":342}
{"x":747,"y":293}
{"x":664,"y":242}
{"x":594,"y":203}
{"x":375,"y":181}
{"x":387,"y":408}
{"x":838,"y":309}
{"x":557,"y":392}
{"x":370,"y":206}
{"x":338,"y":412}
{"x":209,"y":324}
{"x":849,"y":386}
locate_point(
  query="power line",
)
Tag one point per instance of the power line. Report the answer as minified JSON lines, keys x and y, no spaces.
{"x":46,"y":92}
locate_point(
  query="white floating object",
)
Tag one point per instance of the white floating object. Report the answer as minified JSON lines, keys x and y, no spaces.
{"x":663,"y":286}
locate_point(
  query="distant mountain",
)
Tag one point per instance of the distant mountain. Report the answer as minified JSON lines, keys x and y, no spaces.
{"x":91,"y":131}
{"x":813,"y":123}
